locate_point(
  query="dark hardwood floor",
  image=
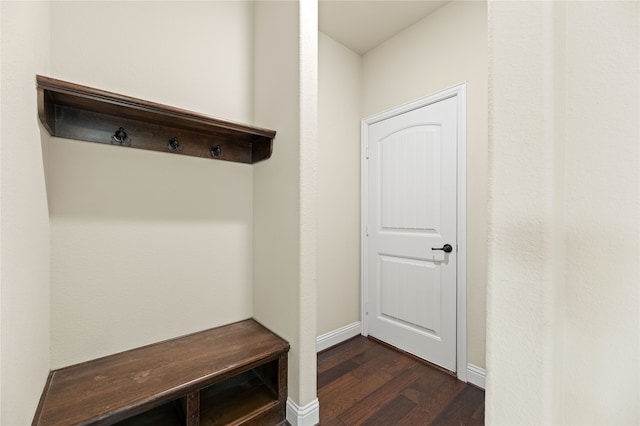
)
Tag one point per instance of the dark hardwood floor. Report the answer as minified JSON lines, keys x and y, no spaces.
{"x":364,"y":382}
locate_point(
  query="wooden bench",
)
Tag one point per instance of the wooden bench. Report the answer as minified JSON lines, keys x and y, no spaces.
{"x":234,"y":374}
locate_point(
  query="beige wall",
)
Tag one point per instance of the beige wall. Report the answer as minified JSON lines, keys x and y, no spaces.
{"x":602,"y":213}
{"x":284,"y":186}
{"x":447,"y":47}
{"x":562,"y":290}
{"x":146,"y":245}
{"x":308,"y":140}
{"x":563,"y":313}
{"x":276,"y":267}
{"x":24,"y":222}
{"x":523,"y":308}
{"x":339,"y":99}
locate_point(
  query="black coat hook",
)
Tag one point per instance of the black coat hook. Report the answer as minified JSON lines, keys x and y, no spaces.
{"x":120,"y":136}
{"x":174,"y":144}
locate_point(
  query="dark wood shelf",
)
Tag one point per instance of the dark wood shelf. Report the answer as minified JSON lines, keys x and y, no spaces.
{"x":164,"y":415}
{"x":234,"y":374}
{"x":241,"y":398}
{"x":72,"y":111}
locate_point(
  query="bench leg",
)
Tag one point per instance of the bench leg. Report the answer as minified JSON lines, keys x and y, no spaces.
{"x":191,"y":407}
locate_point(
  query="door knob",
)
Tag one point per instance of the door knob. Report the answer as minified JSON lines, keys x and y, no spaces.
{"x":447,"y":248}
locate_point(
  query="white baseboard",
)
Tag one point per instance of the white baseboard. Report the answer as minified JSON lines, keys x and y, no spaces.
{"x":339,"y":335}
{"x":476,"y":375}
{"x":309,"y":415}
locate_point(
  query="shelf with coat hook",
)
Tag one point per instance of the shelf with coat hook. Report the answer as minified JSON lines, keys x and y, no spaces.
{"x":72,"y":111}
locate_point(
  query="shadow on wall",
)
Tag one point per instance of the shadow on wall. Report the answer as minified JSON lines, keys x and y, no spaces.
{"x":95,"y":181}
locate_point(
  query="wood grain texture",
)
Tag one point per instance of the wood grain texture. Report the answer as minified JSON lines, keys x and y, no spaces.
{"x":84,"y":113}
{"x":363,"y":382}
{"x":113,"y":388}
{"x":191,"y":408}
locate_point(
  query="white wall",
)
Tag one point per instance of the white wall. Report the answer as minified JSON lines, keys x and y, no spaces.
{"x":145,"y":245}
{"x":602,"y":211}
{"x":563,"y":313}
{"x":284,"y":187}
{"x":24,"y":222}
{"x":445,"y":48}
{"x":339,"y":100}
{"x":525,"y":229}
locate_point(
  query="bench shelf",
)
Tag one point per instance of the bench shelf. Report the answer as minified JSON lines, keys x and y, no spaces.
{"x":234,"y":374}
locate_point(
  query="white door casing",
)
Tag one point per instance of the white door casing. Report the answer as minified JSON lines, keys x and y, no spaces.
{"x":413,"y":200}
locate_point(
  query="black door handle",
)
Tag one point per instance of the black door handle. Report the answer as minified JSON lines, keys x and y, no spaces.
{"x":447,"y":248}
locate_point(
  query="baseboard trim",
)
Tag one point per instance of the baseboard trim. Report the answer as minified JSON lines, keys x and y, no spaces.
{"x":339,"y":335}
{"x":476,"y":375}
{"x":309,"y":415}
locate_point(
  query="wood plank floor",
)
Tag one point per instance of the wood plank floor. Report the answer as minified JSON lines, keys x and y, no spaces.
{"x":363,"y":382}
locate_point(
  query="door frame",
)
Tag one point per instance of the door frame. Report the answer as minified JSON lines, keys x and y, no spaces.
{"x":459,"y":91}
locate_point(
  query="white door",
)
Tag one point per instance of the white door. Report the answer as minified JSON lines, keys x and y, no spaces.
{"x":411,"y":212}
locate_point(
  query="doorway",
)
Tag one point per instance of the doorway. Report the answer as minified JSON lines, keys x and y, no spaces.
{"x":414,"y":228}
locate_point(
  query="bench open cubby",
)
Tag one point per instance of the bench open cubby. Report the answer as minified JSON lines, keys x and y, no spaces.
{"x":230,"y":375}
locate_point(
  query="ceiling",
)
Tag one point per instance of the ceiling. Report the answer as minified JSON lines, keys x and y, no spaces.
{"x":362,"y":25}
